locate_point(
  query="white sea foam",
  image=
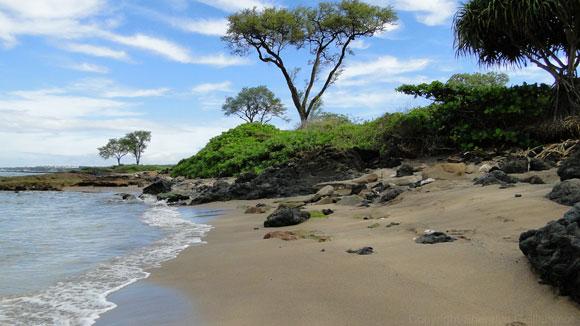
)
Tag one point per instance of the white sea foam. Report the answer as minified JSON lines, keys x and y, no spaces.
{"x":80,"y":300}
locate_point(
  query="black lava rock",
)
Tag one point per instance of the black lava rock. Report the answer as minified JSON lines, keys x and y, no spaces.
{"x":361,"y":251}
{"x":514,"y":164}
{"x":566,"y":192}
{"x":570,"y":168}
{"x":554,"y":251}
{"x":534,"y":179}
{"x":404,"y":170}
{"x":390,"y":194}
{"x":286,"y":216}
{"x":495,"y":177}
{"x":434,"y":237}
{"x":157,"y":187}
{"x":327,"y":211}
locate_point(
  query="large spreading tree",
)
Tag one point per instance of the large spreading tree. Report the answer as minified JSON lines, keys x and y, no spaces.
{"x":136,"y":142}
{"x":116,"y":148}
{"x":325,"y":31}
{"x":515,"y":32}
{"x":254,"y":104}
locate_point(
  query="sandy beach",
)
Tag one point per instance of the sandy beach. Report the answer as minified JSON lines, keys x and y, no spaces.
{"x":239,"y":278}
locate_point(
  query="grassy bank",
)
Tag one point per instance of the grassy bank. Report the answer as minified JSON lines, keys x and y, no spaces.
{"x":459,"y":119}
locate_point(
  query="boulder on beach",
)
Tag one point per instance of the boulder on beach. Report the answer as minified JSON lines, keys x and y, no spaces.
{"x":361,"y":251}
{"x":570,"y":168}
{"x":157,"y":187}
{"x":495,"y":177}
{"x":286,"y":216}
{"x":391,"y":193}
{"x":554,"y":251}
{"x":404,"y":170}
{"x":566,"y":192}
{"x":354,"y":200}
{"x":434,"y":237}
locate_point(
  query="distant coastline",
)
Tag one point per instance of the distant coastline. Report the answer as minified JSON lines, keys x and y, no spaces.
{"x":40,"y":169}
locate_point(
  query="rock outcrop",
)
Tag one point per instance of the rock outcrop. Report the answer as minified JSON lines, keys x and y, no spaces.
{"x":157,"y":187}
{"x":570,"y":168}
{"x":286,"y":216}
{"x":566,"y":192}
{"x":554,"y":252}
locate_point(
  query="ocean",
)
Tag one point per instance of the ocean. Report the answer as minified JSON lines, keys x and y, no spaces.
{"x":63,"y":253}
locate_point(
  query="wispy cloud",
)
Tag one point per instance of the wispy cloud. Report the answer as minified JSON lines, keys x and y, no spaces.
{"x":383,"y":69}
{"x":430,"y":12}
{"x":130,"y":93}
{"x":97,"y":51}
{"x":89,"y":67}
{"x":213,"y":87}
{"x":235,"y":5}
{"x":359,"y":45}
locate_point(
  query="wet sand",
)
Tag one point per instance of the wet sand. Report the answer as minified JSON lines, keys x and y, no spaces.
{"x":238,"y":278}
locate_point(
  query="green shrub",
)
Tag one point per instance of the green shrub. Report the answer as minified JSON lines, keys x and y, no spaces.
{"x":470,"y":118}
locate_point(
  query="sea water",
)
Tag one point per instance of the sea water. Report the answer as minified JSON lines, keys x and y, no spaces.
{"x":63,"y":253}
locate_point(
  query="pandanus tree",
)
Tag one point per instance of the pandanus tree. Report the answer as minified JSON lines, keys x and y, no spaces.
{"x":325,"y":31}
{"x":516,"y":32}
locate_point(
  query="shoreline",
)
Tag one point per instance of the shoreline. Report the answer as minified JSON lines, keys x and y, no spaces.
{"x":238,"y":278}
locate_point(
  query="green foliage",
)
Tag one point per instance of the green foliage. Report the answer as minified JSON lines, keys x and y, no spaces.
{"x":472,"y":118}
{"x":255,"y":104}
{"x":116,"y":148}
{"x":478,"y":79}
{"x":513,"y":32}
{"x":252,"y":147}
{"x":326,"y":31}
{"x":130,"y":168}
{"x":136,"y":142}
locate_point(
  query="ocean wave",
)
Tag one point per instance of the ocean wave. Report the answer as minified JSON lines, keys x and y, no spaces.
{"x":79,"y":300}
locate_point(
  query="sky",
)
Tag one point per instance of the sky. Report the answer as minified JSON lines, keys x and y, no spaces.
{"x":76,"y":73}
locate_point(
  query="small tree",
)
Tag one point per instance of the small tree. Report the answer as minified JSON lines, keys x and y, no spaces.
{"x":116,"y":148}
{"x":326,"y":32}
{"x":511,"y":32}
{"x":136,"y":142}
{"x":479,"y":80}
{"x":256,"y":104}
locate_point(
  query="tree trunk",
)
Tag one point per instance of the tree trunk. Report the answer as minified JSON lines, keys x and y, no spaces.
{"x":119,"y":161}
{"x":566,"y":101}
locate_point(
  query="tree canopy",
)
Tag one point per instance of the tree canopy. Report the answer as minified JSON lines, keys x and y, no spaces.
{"x":478,"y":79}
{"x":325,"y":32}
{"x":116,"y":148}
{"x":255,"y":104}
{"x":136,"y":142}
{"x":513,"y":32}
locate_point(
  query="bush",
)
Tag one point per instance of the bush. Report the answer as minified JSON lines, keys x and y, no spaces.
{"x":472,"y":118}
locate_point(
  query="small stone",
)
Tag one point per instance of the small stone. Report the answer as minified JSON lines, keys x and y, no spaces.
{"x":322,"y":250}
{"x":327,"y":211}
{"x":518,"y":195}
{"x":366,"y":218}
{"x":393,"y":224}
{"x":434,"y":237}
{"x":361,"y":251}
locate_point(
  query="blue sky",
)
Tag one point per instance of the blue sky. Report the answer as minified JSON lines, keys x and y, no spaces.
{"x":78,"y":72}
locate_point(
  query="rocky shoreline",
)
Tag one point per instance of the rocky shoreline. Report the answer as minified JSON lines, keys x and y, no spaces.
{"x":552,"y":250}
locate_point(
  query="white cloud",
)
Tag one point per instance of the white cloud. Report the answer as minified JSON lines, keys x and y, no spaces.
{"x":235,"y":5}
{"x":383,"y":69}
{"x":359,"y":45}
{"x":385,"y":101}
{"x":89,"y":67}
{"x":97,"y":51}
{"x":107,"y":88}
{"x":51,"y":9}
{"x":214,"y":27}
{"x":135,"y":93}
{"x":212,"y":87}
{"x":431,"y":12}
{"x":221,"y":60}
{"x":160,"y":46}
